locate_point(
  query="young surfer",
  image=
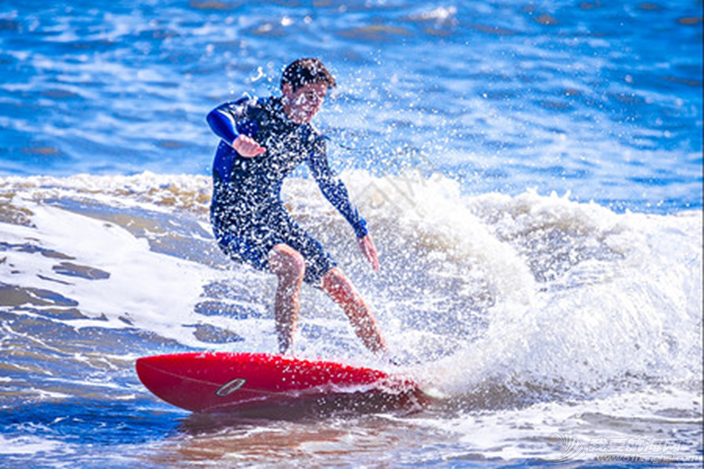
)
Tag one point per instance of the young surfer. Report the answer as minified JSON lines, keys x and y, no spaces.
{"x":262,"y":141}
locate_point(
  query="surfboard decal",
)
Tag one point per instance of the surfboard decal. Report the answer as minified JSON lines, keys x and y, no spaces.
{"x":230,"y":387}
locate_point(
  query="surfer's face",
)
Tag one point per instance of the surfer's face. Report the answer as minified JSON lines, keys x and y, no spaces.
{"x":304,"y":103}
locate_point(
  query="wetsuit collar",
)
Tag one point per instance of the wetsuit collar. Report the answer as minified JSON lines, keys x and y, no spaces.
{"x":276,"y":107}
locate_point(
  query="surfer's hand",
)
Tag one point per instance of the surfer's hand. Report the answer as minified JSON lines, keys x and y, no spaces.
{"x":247,"y":146}
{"x":369,"y":250}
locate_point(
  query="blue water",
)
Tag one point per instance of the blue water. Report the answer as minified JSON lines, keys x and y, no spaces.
{"x":531,"y":172}
{"x":604,"y":100}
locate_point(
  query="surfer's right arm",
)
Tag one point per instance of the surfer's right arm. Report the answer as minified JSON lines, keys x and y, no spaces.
{"x":230,"y":123}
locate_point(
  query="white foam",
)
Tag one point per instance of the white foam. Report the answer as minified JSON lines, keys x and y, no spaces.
{"x":24,"y":445}
{"x":560,"y":294}
{"x":632,"y":310}
{"x":157,"y":289}
{"x":631,"y":425}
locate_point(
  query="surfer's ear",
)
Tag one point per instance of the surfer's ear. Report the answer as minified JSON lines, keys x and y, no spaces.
{"x":287,"y":90}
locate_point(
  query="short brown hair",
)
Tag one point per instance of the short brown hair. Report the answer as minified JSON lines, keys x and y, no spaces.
{"x":305,"y":71}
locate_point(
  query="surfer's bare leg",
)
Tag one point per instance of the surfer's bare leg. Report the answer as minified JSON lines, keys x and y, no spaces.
{"x":289,"y":267}
{"x":341,"y":290}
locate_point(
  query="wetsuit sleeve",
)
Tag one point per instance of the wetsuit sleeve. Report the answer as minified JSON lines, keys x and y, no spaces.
{"x":229,"y":120}
{"x":334,"y":189}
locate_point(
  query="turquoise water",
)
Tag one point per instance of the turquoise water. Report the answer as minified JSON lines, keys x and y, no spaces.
{"x":532,"y":175}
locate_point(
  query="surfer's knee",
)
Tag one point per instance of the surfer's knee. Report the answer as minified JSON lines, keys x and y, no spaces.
{"x":286,"y":262}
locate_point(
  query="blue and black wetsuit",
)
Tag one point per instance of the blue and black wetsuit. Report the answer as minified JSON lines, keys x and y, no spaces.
{"x":247,"y":213}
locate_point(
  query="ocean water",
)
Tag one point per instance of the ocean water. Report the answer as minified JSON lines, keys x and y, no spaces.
{"x":531,"y":174}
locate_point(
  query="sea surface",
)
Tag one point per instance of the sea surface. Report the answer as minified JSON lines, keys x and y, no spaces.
{"x":531,"y":173}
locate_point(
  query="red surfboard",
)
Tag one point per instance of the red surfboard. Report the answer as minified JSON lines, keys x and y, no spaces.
{"x":227,"y":382}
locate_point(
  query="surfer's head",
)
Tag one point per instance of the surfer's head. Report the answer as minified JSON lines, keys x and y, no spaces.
{"x":304,"y":85}
{"x":305,"y":72}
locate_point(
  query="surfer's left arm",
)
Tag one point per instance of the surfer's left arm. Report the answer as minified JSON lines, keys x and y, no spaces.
{"x":335,"y":191}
